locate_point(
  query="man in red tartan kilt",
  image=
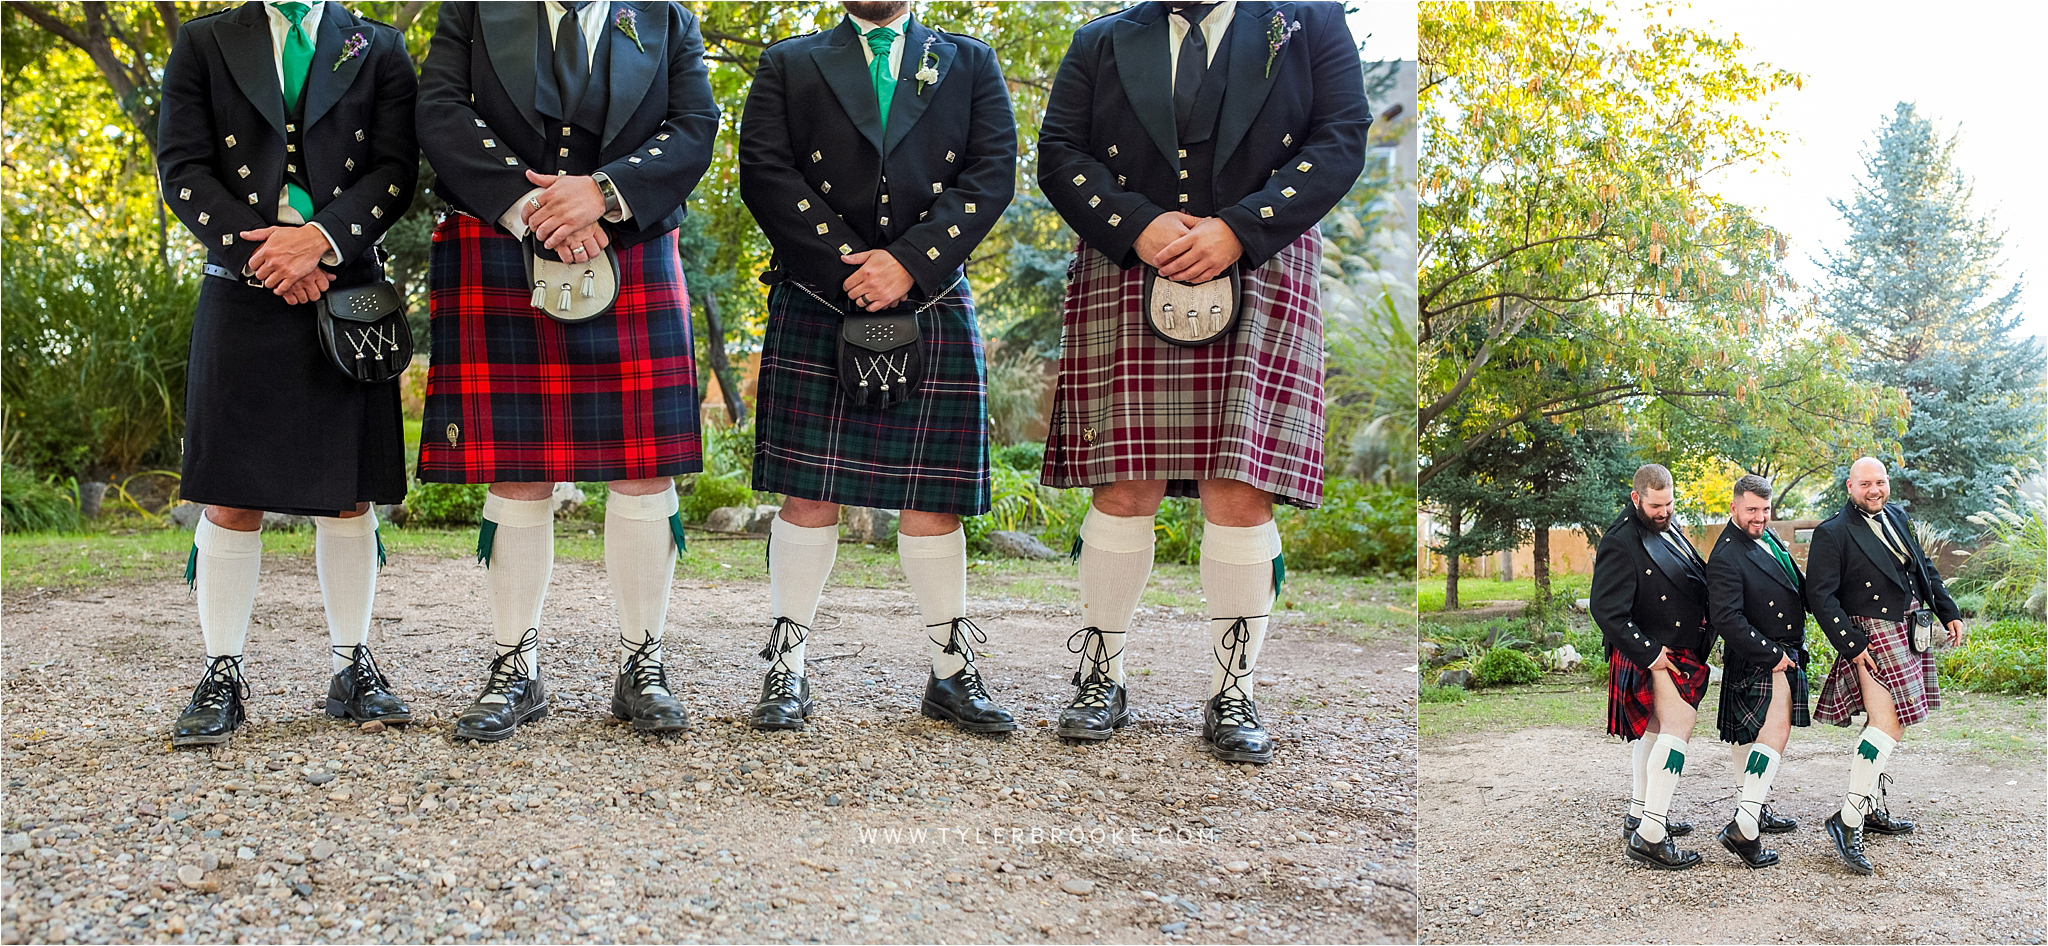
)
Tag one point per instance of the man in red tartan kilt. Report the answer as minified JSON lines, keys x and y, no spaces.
{"x":1649,"y":600}
{"x":1182,"y":139}
{"x":577,"y":127}
{"x":875,"y":156}
{"x":1868,"y":581}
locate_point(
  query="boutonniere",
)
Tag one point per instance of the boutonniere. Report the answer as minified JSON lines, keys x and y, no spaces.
{"x":1278,"y":32}
{"x":927,"y":66}
{"x":625,"y":25}
{"x":351,"y":49}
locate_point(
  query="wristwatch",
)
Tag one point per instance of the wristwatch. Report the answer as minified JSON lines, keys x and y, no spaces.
{"x":610,"y":192}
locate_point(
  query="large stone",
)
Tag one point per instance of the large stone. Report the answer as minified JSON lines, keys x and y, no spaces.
{"x":566,"y":499}
{"x":1430,"y":653}
{"x":186,"y":515}
{"x":1563,"y":658}
{"x":1455,"y":678}
{"x":763,"y":519}
{"x":279,"y":522}
{"x":729,"y":519}
{"x":867,"y":524}
{"x":394,"y":513}
{"x":1010,"y":544}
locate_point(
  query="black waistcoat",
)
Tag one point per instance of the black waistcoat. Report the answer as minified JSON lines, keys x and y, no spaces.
{"x":577,"y":140}
{"x":1198,"y":143}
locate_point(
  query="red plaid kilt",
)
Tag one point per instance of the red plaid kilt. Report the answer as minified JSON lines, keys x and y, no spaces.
{"x":515,"y":396}
{"x":1630,"y":696}
{"x":1910,"y":677}
{"x":1247,"y":407}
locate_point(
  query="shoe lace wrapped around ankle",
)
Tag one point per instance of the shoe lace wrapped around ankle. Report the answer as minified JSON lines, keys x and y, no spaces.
{"x":363,"y":672}
{"x":642,"y":669}
{"x":1237,"y":640}
{"x":785,"y":636}
{"x":1884,"y":782}
{"x":222,"y":685}
{"x":961,"y":643}
{"x":1092,"y":676}
{"x":509,"y":668}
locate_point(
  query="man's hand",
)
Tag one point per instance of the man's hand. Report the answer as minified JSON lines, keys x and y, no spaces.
{"x":307,"y":289}
{"x":879,"y":283}
{"x":288,"y":254}
{"x":1201,"y":253}
{"x":1160,"y":233}
{"x":1784,"y":664}
{"x":1955,"y":633}
{"x":1663,"y":661}
{"x":1864,"y":660}
{"x":563,"y":214}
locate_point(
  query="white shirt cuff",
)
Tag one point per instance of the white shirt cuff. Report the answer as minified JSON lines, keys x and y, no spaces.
{"x":510,"y":218}
{"x":333,"y":255}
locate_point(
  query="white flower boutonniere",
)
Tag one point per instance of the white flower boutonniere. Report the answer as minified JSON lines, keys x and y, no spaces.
{"x":927,"y":66}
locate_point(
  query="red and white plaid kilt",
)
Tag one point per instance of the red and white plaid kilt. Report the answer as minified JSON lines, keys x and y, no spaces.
{"x":515,"y":396}
{"x":1247,"y":407}
{"x":1910,"y":677}
{"x":1631,"y":695}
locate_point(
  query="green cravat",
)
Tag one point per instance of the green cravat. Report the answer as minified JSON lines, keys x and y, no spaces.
{"x":1778,"y":552}
{"x":298,"y":61}
{"x":879,"y":40}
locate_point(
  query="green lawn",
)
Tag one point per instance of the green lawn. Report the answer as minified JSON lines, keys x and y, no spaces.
{"x":1474,"y":592}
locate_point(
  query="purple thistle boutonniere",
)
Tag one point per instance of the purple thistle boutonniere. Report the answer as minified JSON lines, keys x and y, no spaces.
{"x":351,"y":49}
{"x":927,"y":66}
{"x":625,"y":25}
{"x":1278,"y":32}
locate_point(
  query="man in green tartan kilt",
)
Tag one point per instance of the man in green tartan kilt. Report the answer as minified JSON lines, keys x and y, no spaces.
{"x":1755,"y":598}
{"x":875,"y":156}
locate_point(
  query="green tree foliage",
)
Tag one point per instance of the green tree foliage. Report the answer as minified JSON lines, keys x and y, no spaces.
{"x":1917,"y":290}
{"x":1575,"y":268}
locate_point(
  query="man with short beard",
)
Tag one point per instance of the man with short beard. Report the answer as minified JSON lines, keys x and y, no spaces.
{"x":1753,"y":592}
{"x":1866,"y":579}
{"x":1650,"y":603}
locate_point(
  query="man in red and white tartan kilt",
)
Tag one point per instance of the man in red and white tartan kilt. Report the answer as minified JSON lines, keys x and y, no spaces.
{"x":579,"y":127}
{"x":1182,"y":139}
{"x":1866,"y":581}
{"x":1649,"y":600}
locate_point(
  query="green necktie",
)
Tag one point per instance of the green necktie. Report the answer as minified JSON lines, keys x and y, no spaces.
{"x":298,"y":60}
{"x":879,"y":40}
{"x":1778,"y":552}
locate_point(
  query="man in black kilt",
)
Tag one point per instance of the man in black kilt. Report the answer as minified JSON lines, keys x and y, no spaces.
{"x":1649,"y":600}
{"x":875,"y":156}
{"x":1868,"y":583}
{"x":1185,"y":139}
{"x":285,"y":144}
{"x":1755,"y":595}
{"x":580,"y":128}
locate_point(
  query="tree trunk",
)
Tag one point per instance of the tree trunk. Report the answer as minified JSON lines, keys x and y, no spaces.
{"x":721,"y":366}
{"x":1542,"y":555}
{"x":1456,"y":526}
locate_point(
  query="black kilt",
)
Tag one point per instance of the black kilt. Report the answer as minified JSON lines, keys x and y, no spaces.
{"x":270,"y":423}
{"x":1746,"y":702}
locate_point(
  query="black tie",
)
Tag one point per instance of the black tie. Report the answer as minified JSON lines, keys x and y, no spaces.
{"x":1884,"y":533}
{"x":1194,"y":61}
{"x":572,"y":61}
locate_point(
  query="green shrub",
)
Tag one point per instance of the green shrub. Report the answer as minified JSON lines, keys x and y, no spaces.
{"x":1177,"y":530}
{"x":2011,"y":571}
{"x":730,"y":450}
{"x":28,"y":504}
{"x":596,"y":497}
{"x":1361,"y":529}
{"x":1431,"y":693}
{"x":1503,"y":666}
{"x":1016,"y":388}
{"x":2006,"y":656}
{"x":709,"y":491}
{"x":445,"y":504}
{"x":1029,"y":457}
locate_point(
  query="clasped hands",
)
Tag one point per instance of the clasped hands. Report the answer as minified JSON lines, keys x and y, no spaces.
{"x":288,"y":262}
{"x":564,"y":216}
{"x":1187,"y":248}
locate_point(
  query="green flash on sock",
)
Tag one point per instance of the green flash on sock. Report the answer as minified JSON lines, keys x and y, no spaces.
{"x":1074,"y":555}
{"x":1867,"y":750}
{"x":1675,"y":762}
{"x":192,"y":568}
{"x":486,"y":535}
{"x":379,"y":534}
{"x":1279,"y":572}
{"x":675,"y":531}
{"x":1758,"y":762}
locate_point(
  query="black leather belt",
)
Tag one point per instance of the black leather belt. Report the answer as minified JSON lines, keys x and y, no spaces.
{"x":221,"y":272}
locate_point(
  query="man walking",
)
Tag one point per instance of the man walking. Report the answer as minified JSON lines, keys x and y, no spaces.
{"x":1756,"y":597}
{"x":1649,"y":600}
{"x":285,"y":144}
{"x":1868,"y":584}
{"x":875,"y":156}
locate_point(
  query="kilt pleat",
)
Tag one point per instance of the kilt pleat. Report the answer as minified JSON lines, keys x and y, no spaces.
{"x":1248,"y":407}
{"x":929,"y":453}
{"x":515,"y":396}
{"x":1746,"y":703}
{"x":1631,"y":695}
{"x":1916,"y":693}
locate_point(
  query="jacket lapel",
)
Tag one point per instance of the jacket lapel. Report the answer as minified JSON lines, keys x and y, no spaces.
{"x":1249,"y":84}
{"x":246,"y":47}
{"x":632,"y":71}
{"x":510,"y":35}
{"x":846,"y":72}
{"x":324,"y":87}
{"x":1873,"y":547}
{"x":1760,"y":555}
{"x":1146,"y":65}
{"x":1674,"y":565}
{"x":908,"y":105}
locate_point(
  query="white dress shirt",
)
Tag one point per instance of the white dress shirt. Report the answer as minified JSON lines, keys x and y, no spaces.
{"x":1213,"y":27}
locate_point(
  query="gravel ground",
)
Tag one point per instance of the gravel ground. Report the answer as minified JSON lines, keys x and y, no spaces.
{"x":873,"y":825}
{"x":1520,"y":841}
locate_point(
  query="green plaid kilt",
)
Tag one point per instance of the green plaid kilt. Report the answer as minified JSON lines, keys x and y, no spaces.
{"x":1746,"y":702}
{"x":929,"y":453}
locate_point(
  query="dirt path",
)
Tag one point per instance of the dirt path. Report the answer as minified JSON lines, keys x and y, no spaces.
{"x":1519,"y":841}
{"x":577,"y":829}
